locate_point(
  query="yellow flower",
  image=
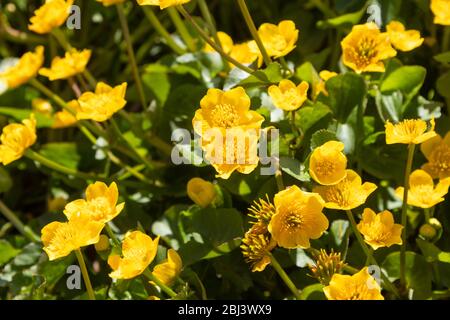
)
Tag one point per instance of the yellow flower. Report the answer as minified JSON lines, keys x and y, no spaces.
{"x":24,"y":69}
{"x":298,"y":218}
{"x":101,"y":105}
{"x":246,"y":53}
{"x":229,"y":131}
{"x":327,"y":163}
{"x":63,"y":119}
{"x":437,"y":152}
{"x":201,"y":192}
{"x":360,"y":286}
{"x":16,"y":138}
{"x":278,"y":40}
{"x":256,"y":246}
{"x":61,"y":238}
{"x":409,"y":131}
{"x":365,"y":48}
{"x":225,"y":109}
{"x":348,"y":194}
{"x":42,"y":106}
{"x":422,"y":192}
{"x":108,"y":3}
{"x":288,"y":96}
{"x":319,"y":87}
{"x":74,"y":62}
{"x":237,"y":150}
{"x":50,"y":15}
{"x":100,"y":204}
{"x":138,"y":251}
{"x":162,"y":3}
{"x":401,"y":39}
{"x":380,"y":230}
{"x":225,"y":41}
{"x":441,"y":10}
{"x":168,"y":270}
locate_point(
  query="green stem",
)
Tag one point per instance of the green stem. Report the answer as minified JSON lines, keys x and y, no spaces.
{"x":58,"y":167}
{"x":279,"y":179}
{"x":130,"y":170}
{"x":181,"y":27}
{"x":206,"y":38}
{"x":15,"y":221}
{"x":368,"y":252}
{"x":134,"y":68}
{"x":112,"y":235}
{"x":129,"y":146}
{"x":212,"y":26}
{"x":163,"y":287}
{"x":251,"y":26}
{"x":152,"y":18}
{"x":85,"y":274}
{"x":409,"y":160}
{"x":83,"y":125}
{"x":283,"y":275}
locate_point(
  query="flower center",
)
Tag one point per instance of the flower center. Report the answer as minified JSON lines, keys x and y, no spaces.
{"x":325,"y":167}
{"x":411,"y":128}
{"x":440,"y":158}
{"x":278,"y":42}
{"x":224,"y":116}
{"x":294,"y":220}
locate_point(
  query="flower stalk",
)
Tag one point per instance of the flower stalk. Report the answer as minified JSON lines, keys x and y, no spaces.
{"x":163,"y":287}
{"x":181,"y":28}
{"x":404,"y":222}
{"x":153,"y":19}
{"x":85,"y":274}
{"x":206,"y":38}
{"x":134,"y":67}
{"x":283,"y":275}
{"x":15,"y":221}
{"x":251,"y":26}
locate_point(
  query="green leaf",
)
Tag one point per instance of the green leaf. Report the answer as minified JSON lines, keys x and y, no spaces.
{"x":339,"y":231}
{"x":42,"y":121}
{"x":309,"y":116}
{"x":346,"y":92}
{"x":294,"y":168}
{"x":64,"y":153}
{"x":322,"y":136}
{"x":217,"y":226}
{"x":443,"y":85}
{"x":313,"y":292}
{"x":418,"y":273}
{"x":272,"y":74}
{"x":29,"y":255}
{"x":443,"y":57}
{"x":7,"y":252}
{"x":433,"y":253}
{"x":156,"y":80}
{"x":307,"y":72}
{"x":52,"y":271}
{"x":408,"y":79}
{"x":345,"y":20}
{"x":390,"y":107}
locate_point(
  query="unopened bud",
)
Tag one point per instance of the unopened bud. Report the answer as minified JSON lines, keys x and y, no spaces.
{"x":103,"y":243}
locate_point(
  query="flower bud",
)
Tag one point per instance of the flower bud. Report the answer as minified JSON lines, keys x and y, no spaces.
{"x":102,"y":244}
{"x":431,"y":231}
{"x":202,"y":192}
